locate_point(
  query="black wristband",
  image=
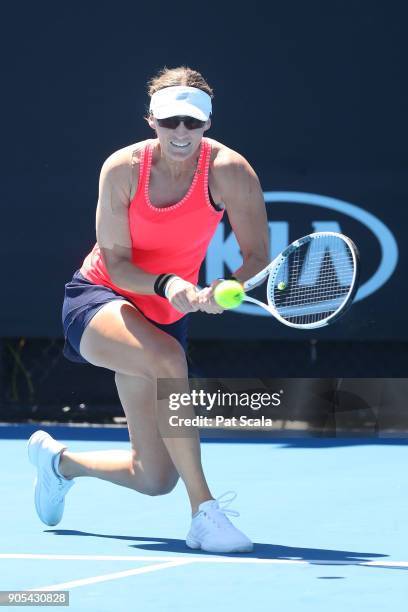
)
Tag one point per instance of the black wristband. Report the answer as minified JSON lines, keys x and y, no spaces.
{"x":161,"y":282}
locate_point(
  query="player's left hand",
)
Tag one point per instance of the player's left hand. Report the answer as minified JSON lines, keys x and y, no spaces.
{"x":206,"y":301}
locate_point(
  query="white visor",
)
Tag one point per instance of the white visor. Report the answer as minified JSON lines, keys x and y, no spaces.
{"x":180,"y":100}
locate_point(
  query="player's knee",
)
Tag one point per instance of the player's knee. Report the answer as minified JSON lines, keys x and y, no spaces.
{"x":160,"y":484}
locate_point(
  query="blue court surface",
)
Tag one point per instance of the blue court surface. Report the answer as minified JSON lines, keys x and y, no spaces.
{"x":328,"y":518}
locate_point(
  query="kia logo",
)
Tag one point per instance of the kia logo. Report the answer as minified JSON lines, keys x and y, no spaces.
{"x":226,"y":251}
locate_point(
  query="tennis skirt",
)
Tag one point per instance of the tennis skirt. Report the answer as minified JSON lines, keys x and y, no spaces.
{"x":83,"y":299}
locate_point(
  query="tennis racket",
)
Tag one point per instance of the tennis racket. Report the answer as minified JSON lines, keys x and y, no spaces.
{"x":311,"y":283}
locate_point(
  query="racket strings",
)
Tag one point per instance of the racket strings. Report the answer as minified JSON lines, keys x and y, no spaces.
{"x":313,"y":282}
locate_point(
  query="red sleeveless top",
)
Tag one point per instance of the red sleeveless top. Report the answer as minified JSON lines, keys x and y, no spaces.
{"x":171,"y":239}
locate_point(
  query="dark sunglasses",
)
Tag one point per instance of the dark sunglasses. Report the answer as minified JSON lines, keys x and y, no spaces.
{"x":171,"y":123}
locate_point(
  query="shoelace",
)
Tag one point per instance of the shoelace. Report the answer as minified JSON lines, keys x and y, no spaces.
{"x":217,"y":513}
{"x":226,"y":502}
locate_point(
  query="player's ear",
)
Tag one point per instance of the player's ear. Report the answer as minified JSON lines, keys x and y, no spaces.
{"x":207,"y":124}
{"x":150,"y":121}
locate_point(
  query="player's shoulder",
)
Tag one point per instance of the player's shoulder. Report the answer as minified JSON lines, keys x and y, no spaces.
{"x":228,"y":163}
{"x":224,"y":159}
{"x":124,"y":159}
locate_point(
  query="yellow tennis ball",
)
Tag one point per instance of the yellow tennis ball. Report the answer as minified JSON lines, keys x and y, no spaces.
{"x":281,"y":286}
{"x":229,"y":294}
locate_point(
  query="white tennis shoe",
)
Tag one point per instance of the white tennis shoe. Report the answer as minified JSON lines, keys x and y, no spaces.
{"x":212,"y":531}
{"x":50,"y":488}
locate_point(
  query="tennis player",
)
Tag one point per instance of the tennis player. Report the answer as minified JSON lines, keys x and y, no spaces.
{"x":126,"y":309}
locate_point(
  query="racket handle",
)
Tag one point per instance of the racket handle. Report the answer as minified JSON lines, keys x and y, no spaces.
{"x":256,"y":280}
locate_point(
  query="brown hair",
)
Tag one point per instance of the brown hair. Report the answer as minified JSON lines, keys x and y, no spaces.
{"x":183,"y":75}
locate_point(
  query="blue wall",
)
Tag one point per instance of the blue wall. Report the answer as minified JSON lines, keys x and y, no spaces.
{"x":314,"y":94}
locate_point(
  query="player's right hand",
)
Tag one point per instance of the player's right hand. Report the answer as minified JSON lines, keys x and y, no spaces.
{"x":182,"y":295}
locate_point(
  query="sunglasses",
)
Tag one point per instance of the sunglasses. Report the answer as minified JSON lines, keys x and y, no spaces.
{"x":171,"y":123}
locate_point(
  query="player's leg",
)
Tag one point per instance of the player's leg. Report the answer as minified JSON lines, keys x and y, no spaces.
{"x":119,"y":338}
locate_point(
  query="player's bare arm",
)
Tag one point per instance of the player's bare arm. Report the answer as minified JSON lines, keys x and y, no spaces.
{"x":240,"y":191}
{"x":116,"y":183}
{"x":234,"y":183}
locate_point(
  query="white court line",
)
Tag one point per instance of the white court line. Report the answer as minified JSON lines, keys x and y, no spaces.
{"x":169,"y":562}
{"x":113,"y":576}
{"x":89,"y":557}
{"x":201,"y":559}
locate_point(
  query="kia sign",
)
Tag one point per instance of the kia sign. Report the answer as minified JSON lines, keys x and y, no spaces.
{"x":225,"y":251}
{"x":293,"y":214}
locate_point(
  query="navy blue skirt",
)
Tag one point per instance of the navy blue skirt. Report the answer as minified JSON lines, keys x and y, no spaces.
{"x":83,"y":299}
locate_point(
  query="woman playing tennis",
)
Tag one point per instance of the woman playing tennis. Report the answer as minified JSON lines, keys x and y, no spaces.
{"x":126,"y":309}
